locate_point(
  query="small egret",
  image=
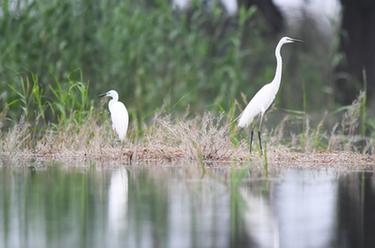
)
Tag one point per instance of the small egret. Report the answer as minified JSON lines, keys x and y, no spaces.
{"x":119,"y":114}
{"x":263,"y":99}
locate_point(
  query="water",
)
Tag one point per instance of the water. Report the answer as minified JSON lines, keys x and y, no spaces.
{"x":160,"y":206}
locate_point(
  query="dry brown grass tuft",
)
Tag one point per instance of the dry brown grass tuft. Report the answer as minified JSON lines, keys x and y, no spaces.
{"x":91,"y":137}
{"x":202,"y":138}
{"x":16,"y":139}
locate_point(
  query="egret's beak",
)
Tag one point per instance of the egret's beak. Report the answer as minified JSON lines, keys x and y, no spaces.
{"x":295,"y":40}
{"x":101,"y":95}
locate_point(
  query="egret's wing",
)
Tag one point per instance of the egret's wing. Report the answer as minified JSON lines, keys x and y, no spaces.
{"x":258,"y":104}
{"x":120,"y":119}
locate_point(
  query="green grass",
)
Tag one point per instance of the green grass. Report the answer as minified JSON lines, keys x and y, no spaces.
{"x":154,"y":56}
{"x":57,"y":105}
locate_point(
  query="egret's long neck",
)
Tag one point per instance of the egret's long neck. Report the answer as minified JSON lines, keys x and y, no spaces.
{"x":279,"y":66}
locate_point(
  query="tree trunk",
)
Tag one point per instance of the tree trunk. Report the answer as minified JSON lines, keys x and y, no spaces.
{"x":357,"y":43}
{"x":270,"y":12}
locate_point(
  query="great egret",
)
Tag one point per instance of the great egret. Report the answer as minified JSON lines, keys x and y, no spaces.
{"x":263,"y":99}
{"x":119,"y":114}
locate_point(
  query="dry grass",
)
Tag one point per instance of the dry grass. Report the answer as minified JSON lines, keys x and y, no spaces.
{"x":204,"y":139}
{"x":201,"y":139}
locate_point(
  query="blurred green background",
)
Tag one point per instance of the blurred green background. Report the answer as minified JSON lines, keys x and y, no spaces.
{"x":57,"y":55}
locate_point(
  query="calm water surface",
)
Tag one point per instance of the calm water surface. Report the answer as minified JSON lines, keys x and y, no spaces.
{"x":160,"y":206}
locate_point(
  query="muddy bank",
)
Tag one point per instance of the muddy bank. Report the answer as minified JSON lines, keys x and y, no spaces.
{"x":161,"y":156}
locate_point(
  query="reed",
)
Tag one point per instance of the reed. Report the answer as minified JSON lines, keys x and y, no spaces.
{"x":152,"y":55}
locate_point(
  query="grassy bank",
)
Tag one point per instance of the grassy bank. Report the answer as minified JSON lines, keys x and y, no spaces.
{"x":294,"y":138}
{"x":204,"y":140}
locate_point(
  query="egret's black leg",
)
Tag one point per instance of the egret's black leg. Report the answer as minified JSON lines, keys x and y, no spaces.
{"x":259,"y":134}
{"x":260,"y":143}
{"x":251,"y":138}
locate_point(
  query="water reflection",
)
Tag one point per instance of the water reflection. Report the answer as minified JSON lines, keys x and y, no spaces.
{"x":260,"y":221}
{"x":178,"y":207}
{"x":356,"y":216}
{"x":306,"y":204}
{"x":117,"y":206}
{"x":199,"y":214}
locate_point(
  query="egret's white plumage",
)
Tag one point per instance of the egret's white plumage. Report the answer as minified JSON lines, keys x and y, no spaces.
{"x":266,"y":95}
{"x":263,"y":99}
{"x":119,"y":114}
{"x":258,"y":105}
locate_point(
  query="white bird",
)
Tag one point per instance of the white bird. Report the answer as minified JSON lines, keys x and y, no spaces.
{"x":119,"y":114}
{"x":263,"y":99}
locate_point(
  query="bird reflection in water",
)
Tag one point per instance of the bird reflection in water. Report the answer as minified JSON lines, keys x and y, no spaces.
{"x":118,"y":204}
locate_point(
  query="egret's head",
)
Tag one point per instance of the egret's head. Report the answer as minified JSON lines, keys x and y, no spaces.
{"x":286,"y":39}
{"x":111,"y":93}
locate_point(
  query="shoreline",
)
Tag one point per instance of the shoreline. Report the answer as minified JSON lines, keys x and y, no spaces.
{"x":275,"y":159}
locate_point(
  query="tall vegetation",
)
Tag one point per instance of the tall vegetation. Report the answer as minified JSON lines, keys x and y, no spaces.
{"x":153,"y":55}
